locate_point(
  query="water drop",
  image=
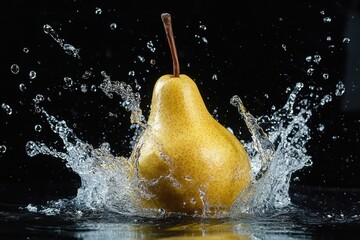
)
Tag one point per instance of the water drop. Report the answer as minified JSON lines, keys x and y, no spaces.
{"x":204,"y":39}
{"x":327,"y":19}
{"x":98,"y":11}
{"x":83,"y":88}
{"x":2,"y":148}
{"x":322,"y":12}
{"x":22,"y":87}
{"x":152,"y":62}
{"x":325,"y":99}
{"x":346,"y":40}
{"x":187,"y":178}
{"x":25,"y":50}
{"x":284,"y":47}
{"x":38,"y":128}
{"x":38,"y":98}
{"x":328,"y":38}
{"x":310,"y":71}
{"x":308,"y":58}
{"x":131,"y":73}
{"x":14,"y":69}
{"x":32,"y":74}
{"x":6,"y":108}
{"x":68,"y":81}
{"x":31,"y":149}
{"x":192,"y":201}
{"x":214,"y":77}
{"x":47,"y":29}
{"x":150,"y":46}
{"x":93,"y":88}
{"x":340,"y":89}
{"x":113,"y":26}
{"x":325,"y":76}
{"x":141,"y":58}
{"x":86,"y":75}
{"x":321,"y":127}
{"x":230,"y":130}
{"x":71,"y":50}
{"x":317,"y":59}
{"x":202,"y":27}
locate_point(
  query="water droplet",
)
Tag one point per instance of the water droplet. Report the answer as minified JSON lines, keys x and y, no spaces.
{"x":328,"y":38}
{"x":152,"y":62}
{"x":32,"y":74}
{"x":141,"y":58}
{"x":317,"y":59}
{"x":327,"y":19}
{"x":113,"y":26}
{"x":47,"y":29}
{"x":284,"y":47}
{"x":2,"y":148}
{"x":38,"y":128}
{"x":202,"y":27}
{"x":137,"y":85}
{"x":86,"y":75}
{"x":83,"y":88}
{"x":230,"y":130}
{"x":22,"y":87}
{"x":25,"y":50}
{"x":321,"y":127}
{"x":214,"y":77}
{"x":31,"y":148}
{"x":325,"y":99}
{"x":14,"y":69}
{"x":192,"y":201}
{"x":187,"y":178}
{"x":204,"y":39}
{"x":325,"y":76}
{"x":310,"y":71}
{"x":6,"y":108}
{"x":68,"y":81}
{"x":38,"y":98}
{"x":346,"y":40}
{"x":93,"y":88}
{"x":150,"y":46}
{"x":340,"y":89}
{"x":322,"y":12}
{"x":71,"y":50}
{"x":131,"y":73}
{"x":308,"y":58}
{"x":98,"y":11}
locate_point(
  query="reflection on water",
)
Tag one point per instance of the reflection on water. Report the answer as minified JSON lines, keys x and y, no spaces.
{"x":325,"y":214}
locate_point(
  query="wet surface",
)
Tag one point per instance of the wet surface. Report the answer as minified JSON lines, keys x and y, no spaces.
{"x":314,"y":214}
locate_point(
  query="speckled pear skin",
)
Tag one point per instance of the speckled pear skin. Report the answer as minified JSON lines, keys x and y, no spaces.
{"x":189,"y":158}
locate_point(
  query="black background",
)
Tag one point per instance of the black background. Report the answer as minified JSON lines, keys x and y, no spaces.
{"x":245,"y":50}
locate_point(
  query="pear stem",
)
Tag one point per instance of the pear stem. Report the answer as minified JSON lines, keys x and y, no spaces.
{"x":166,"y":19}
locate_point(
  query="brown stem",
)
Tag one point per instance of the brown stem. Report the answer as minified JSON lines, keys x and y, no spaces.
{"x":166,"y":19}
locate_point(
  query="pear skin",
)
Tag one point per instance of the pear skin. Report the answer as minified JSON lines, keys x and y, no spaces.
{"x":191,"y":159}
{"x":189,"y":162}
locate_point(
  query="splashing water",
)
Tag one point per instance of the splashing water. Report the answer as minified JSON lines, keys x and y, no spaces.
{"x":105,"y":181}
{"x":68,"y":48}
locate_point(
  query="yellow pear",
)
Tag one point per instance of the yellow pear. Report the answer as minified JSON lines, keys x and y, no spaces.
{"x":186,"y":161}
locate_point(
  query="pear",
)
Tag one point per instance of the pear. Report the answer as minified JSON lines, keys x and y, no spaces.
{"x":186,"y":161}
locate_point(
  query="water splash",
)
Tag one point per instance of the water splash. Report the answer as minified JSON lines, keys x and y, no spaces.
{"x":105,"y":182}
{"x":280,"y":154}
{"x":68,"y":48}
